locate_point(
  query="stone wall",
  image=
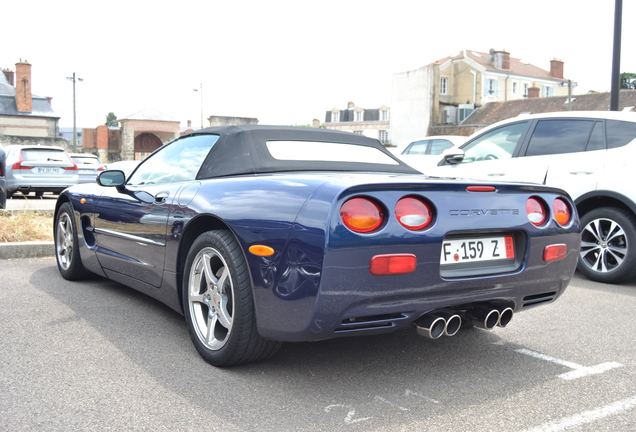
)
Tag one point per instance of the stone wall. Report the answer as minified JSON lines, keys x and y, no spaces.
{"x":6,"y":140}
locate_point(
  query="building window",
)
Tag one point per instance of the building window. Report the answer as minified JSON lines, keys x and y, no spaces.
{"x":384,"y":115}
{"x":492,"y":87}
{"x":384,"y":136}
{"x":335,"y":117}
{"x":514,"y":88}
{"x":548,"y":91}
{"x":359,"y":117}
{"x":357,"y":132}
{"x":444,"y":86}
{"x":525,"y":90}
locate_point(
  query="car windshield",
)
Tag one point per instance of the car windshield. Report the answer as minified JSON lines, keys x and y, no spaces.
{"x":496,"y":144}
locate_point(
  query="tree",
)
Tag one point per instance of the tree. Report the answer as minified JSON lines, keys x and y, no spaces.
{"x":111,"y":120}
{"x":628,"y":80}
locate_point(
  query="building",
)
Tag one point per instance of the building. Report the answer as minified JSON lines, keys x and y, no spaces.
{"x":494,"y":112}
{"x":372,"y":123}
{"x":448,"y":90}
{"x":139,"y":135}
{"x":26,"y":119}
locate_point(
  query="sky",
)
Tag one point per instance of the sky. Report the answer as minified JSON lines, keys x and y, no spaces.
{"x":286,"y":62}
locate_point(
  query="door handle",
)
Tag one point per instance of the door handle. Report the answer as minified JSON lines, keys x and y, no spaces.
{"x":161,"y":197}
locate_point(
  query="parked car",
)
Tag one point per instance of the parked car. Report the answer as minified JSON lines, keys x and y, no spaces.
{"x":260,"y":235}
{"x":88,"y":166}
{"x":591,"y":155}
{"x":424,"y":153}
{"x":39,"y":169}
{"x":3,"y":181}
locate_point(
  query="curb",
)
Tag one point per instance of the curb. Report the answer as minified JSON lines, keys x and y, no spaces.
{"x":34,"y":249}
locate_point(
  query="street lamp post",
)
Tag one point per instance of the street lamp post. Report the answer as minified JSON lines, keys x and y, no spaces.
{"x":74,"y":111}
{"x":200,"y":90}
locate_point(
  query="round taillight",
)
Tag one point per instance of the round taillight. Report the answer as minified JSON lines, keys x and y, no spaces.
{"x":535,"y":211}
{"x":361,"y":215}
{"x":562,"y":212}
{"x":413,"y":213}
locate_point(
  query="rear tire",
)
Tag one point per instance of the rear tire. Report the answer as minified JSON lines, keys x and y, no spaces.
{"x":67,"y":253}
{"x":608,"y":245}
{"x":218,"y":303}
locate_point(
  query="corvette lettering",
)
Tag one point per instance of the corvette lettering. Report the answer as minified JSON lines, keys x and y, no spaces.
{"x":485,"y":212}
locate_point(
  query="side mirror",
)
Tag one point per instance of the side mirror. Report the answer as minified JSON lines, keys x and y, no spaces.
{"x":452,"y":156}
{"x":111,"y":178}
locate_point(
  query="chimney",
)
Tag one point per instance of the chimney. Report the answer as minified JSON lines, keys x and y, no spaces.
{"x":556,"y":68}
{"x":315,"y":123}
{"x":533,"y":92}
{"x":49,"y":99}
{"x":351,"y":105}
{"x":8,"y":73}
{"x":502,"y":60}
{"x":23,"y":86}
{"x":189,"y":123}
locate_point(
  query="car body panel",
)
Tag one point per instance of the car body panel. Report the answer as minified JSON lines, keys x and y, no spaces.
{"x":317,"y":284}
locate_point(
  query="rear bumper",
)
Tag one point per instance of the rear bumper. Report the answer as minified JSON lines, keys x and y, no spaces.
{"x":352,"y":301}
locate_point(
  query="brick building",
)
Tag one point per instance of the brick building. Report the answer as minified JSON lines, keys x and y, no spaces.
{"x":25,"y":118}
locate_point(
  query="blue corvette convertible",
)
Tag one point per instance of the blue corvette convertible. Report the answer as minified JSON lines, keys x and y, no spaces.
{"x":263,"y":234}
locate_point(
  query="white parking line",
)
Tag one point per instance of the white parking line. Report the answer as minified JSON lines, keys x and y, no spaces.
{"x":579,"y":370}
{"x":586,"y":416}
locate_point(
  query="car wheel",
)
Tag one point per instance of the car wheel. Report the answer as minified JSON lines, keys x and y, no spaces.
{"x":3,"y":200}
{"x":608,"y":245}
{"x":9,"y":195}
{"x":218,"y":302}
{"x":39,"y":194}
{"x":66,"y":245}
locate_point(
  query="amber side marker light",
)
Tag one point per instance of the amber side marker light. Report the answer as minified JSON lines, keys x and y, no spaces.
{"x":83,"y":201}
{"x":555,"y":252}
{"x":261,"y":250}
{"x":392,"y":264}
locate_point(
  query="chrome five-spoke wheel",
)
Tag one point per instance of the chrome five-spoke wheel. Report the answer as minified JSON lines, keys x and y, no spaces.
{"x":210,"y":298}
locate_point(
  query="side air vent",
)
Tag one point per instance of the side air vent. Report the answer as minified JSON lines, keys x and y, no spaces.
{"x":370,"y":322}
{"x":539,"y":298}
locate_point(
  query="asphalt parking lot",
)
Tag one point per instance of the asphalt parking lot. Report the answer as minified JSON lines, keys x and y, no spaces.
{"x":96,"y":355}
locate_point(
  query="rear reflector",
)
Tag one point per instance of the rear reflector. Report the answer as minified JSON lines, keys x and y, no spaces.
{"x":392,"y":264}
{"x":555,"y":252}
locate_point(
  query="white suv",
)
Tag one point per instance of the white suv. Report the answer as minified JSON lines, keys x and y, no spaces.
{"x":591,"y":155}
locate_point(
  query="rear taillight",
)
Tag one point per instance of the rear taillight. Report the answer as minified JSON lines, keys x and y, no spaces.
{"x":101,"y":168}
{"x":413,"y":213}
{"x":535,"y":210}
{"x":561,"y":211}
{"x":361,"y":215}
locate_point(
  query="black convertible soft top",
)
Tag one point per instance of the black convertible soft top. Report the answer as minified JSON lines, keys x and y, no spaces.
{"x":243,"y":150}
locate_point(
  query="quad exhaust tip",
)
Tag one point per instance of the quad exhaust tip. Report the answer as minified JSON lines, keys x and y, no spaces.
{"x":446,"y":322}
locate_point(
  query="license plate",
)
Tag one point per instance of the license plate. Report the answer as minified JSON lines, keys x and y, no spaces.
{"x":86,"y":171}
{"x":477,"y":249}
{"x":47,"y":170}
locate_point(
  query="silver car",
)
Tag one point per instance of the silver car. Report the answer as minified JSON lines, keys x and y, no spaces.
{"x":88,"y":165}
{"x":39,"y":169}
